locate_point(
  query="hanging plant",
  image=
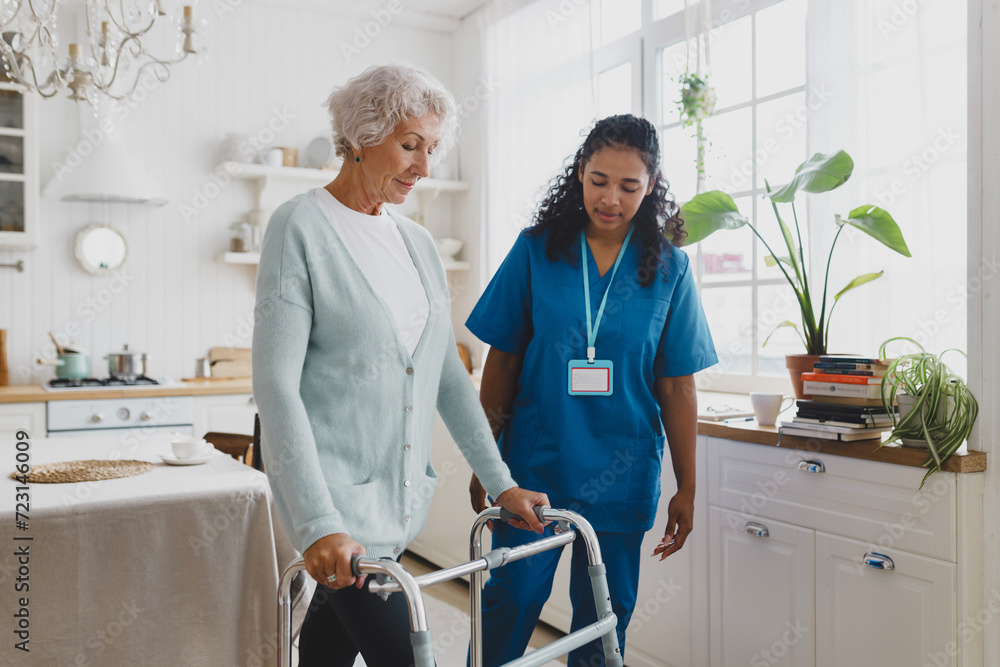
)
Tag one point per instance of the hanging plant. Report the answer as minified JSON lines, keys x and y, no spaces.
{"x":696,"y":104}
{"x":697,"y":98}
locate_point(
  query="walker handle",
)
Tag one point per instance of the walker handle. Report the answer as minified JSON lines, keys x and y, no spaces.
{"x":355,"y":560}
{"x":506,"y":515}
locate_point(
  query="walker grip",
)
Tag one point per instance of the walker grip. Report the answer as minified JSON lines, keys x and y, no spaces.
{"x":506,"y":515}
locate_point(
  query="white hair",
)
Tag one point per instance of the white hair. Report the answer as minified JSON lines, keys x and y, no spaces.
{"x":366,"y":109}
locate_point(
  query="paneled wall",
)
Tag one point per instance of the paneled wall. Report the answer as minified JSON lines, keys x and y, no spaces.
{"x":266,"y":62}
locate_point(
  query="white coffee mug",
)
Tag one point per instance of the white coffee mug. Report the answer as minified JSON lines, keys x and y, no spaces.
{"x":189,"y":447}
{"x":767,"y":406}
{"x":272,"y":157}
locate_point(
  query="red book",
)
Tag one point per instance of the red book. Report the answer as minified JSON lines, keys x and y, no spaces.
{"x":840,"y":379}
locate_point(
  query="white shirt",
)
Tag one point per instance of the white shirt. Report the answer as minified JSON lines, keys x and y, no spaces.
{"x":376,"y":245}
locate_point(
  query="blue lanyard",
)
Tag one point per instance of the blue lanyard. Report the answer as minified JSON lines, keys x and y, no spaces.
{"x":592,"y":328}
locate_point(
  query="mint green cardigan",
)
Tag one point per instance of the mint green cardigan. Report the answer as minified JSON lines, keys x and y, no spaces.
{"x":346,"y":413}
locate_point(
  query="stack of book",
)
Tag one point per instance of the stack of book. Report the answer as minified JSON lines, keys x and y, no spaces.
{"x":846,"y":401}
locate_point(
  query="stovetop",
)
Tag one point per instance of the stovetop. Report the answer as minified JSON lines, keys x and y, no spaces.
{"x":100,"y":383}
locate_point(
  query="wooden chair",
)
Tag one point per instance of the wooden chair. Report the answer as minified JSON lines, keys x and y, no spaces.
{"x":236,"y":445}
{"x":243,"y":448}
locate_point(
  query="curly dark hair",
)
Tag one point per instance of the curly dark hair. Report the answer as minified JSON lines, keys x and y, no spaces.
{"x":657,"y":222}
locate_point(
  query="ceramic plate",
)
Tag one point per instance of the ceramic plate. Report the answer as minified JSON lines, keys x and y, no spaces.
{"x":171,"y":461}
{"x":318,"y":153}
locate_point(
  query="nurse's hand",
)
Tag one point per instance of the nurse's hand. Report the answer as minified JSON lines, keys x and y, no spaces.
{"x":680,"y":521}
{"x":522,"y":502}
{"x":477,"y":496}
{"x":331,"y":555}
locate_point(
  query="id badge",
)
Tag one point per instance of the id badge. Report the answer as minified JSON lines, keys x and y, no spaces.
{"x":591,"y":379}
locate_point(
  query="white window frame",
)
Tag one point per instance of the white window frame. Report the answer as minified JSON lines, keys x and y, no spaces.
{"x":667,"y":32}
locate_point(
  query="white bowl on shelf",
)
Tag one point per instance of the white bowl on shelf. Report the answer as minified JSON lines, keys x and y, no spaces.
{"x":448,"y":248}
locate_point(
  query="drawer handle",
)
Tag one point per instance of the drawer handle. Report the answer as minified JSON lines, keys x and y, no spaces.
{"x":812,"y":465}
{"x":879,"y":561}
{"x":757,"y":529}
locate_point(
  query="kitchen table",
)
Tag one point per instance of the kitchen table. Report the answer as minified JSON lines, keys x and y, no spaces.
{"x":177,"y":566}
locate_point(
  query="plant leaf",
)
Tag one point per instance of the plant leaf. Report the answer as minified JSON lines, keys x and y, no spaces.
{"x":820,"y":173}
{"x":709,"y":212}
{"x":786,"y":323}
{"x":771,"y":260}
{"x":878,"y":224}
{"x":857,"y":282}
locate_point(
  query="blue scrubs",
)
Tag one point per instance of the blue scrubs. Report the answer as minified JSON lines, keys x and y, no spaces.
{"x":597,"y":455}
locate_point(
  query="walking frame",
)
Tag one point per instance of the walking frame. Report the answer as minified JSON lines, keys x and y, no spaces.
{"x":391,"y":577}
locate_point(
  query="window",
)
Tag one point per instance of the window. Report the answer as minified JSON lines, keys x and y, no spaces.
{"x":792,"y":78}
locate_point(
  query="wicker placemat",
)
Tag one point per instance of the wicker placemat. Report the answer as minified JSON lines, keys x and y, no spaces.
{"x":66,"y":472}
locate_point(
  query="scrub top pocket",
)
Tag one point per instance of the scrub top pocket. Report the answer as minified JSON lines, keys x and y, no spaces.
{"x":642,"y":323}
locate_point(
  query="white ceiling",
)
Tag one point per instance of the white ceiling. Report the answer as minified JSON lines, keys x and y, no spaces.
{"x":456,"y":9}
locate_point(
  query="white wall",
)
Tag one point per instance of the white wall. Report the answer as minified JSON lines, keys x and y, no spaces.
{"x":179,"y":301}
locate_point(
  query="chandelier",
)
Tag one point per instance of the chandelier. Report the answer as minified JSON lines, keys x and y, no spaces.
{"x":115,"y":57}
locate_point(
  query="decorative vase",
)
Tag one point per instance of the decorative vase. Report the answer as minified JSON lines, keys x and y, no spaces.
{"x":797,"y":364}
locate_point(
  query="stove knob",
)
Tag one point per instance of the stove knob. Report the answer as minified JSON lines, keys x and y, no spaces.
{"x":97,"y":417}
{"x":146,"y":416}
{"x":124,"y":414}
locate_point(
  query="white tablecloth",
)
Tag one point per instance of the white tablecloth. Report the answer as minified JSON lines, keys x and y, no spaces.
{"x":175,"y":567}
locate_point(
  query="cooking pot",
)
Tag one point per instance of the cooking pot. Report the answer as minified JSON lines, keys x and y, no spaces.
{"x":70,"y":365}
{"x":126,"y":365}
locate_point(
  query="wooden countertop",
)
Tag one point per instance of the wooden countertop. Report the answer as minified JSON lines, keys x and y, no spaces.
{"x":750,"y":432}
{"x":33,"y":393}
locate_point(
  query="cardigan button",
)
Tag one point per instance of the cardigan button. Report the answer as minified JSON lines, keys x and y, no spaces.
{"x":409,"y":408}
{"x":409,"y":371}
{"x":406,"y":483}
{"x":407,"y":517}
{"x":407,"y":447}
{"x":396,"y":550}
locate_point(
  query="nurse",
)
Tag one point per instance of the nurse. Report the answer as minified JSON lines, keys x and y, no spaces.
{"x":595,"y":331}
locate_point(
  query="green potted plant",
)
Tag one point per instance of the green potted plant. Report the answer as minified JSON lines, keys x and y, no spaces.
{"x":936,"y":408}
{"x":712,"y":211}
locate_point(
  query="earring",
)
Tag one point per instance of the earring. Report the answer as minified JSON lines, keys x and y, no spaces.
{"x":357,"y":158}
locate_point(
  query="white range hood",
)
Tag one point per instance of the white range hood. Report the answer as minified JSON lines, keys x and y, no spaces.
{"x":106,"y":175}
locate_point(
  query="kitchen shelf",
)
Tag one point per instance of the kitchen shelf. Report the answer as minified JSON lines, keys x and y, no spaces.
{"x":239,"y":257}
{"x":266,"y":176}
{"x":254,"y":258}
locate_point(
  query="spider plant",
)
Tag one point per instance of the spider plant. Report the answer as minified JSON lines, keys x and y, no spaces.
{"x":943,"y":409}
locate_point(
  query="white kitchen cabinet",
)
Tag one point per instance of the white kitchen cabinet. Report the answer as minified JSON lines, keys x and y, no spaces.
{"x":16,"y":417}
{"x":762,"y":608}
{"x":876,"y":602}
{"x":868,"y":615}
{"x":18,"y":168}
{"x":224,"y":413}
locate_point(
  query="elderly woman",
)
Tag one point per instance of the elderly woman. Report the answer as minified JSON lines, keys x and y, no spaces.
{"x":353,"y":351}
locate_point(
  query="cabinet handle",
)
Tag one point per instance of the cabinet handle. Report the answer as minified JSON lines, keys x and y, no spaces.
{"x":812,"y":465}
{"x":878,"y":561}
{"x":757,"y":529}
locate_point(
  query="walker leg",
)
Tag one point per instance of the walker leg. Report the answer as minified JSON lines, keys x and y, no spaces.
{"x":602,"y":600}
{"x":285,"y":613}
{"x":476,"y":593}
{"x":423,"y":649}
